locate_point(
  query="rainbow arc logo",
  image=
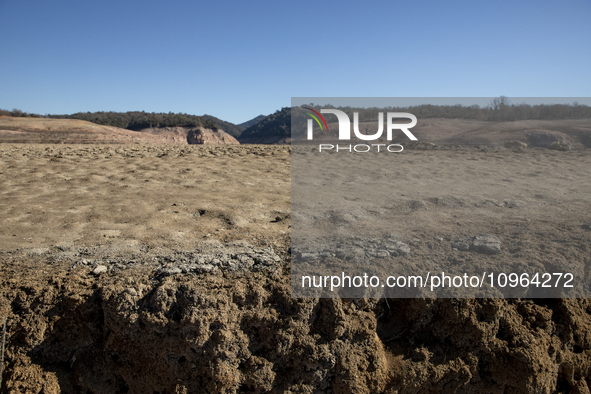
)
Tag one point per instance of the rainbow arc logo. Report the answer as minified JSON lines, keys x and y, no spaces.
{"x":315,"y":114}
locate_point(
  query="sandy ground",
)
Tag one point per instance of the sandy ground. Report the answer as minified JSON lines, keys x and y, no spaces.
{"x":54,"y":195}
{"x":73,"y":131}
{"x":167,"y":269}
{"x":535,"y":202}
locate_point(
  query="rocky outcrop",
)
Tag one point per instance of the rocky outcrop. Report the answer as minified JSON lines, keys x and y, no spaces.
{"x":193,"y":135}
{"x":560,"y":145}
{"x":541,"y":139}
{"x":515,"y":145}
{"x":203,"y":136}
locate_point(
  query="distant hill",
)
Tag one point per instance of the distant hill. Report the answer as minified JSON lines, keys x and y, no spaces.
{"x":273,"y":129}
{"x":169,"y":124}
{"x":230,"y":128}
{"x":143,"y":121}
{"x":535,"y":133}
{"x":537,"y":125}
{"x":472,"y":132}
{"x":456,"y":124}
{"x":75,"y":131}
{"x":71,"y":131}
{"x":139,"y":120}
{"x":251,"y":122}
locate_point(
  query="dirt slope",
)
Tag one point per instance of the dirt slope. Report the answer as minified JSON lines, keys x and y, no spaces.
{"x":72,"y":131}
{"x":468,"y":132}
{"x":68,"y":131}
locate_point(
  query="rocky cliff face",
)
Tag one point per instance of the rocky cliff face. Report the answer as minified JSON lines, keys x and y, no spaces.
{"x":203,"y":136}
{"x":193,"y":135}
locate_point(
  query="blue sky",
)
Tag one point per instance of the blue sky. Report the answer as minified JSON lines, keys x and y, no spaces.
{"x":238,"y":59}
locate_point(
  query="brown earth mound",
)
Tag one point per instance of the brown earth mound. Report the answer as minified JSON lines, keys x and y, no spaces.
{"x":72,"y":131}
{"x":536,"y":133}
{"x":73,"y":331}
{"x":68,"y":131}
{"x":469,"y":132}
{"x":172,"y":135}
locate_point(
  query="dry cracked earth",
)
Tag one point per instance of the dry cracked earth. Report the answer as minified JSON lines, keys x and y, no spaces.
{"x":166,"y":269}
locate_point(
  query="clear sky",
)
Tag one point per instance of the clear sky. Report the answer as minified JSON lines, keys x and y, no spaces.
{"x":238,"y":59}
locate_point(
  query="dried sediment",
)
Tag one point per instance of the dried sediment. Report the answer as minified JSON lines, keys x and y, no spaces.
{"x":159,"y":317}
{"x":133,"y":329}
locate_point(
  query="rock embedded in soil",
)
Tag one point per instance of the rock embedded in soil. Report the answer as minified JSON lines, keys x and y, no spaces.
{"x":515,"y":145}
{"x":485,"y":244}
{"x":560,"y":145}
{"x":100,"y":269}
{"x":356,"y":248}
{"x":169,"y":271}
{"x":462,"y":244}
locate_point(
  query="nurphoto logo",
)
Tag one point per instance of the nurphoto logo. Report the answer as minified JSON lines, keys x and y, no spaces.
{"x":344,"y":132}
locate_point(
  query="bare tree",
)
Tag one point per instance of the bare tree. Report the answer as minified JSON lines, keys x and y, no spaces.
{"x":500,"y":108}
